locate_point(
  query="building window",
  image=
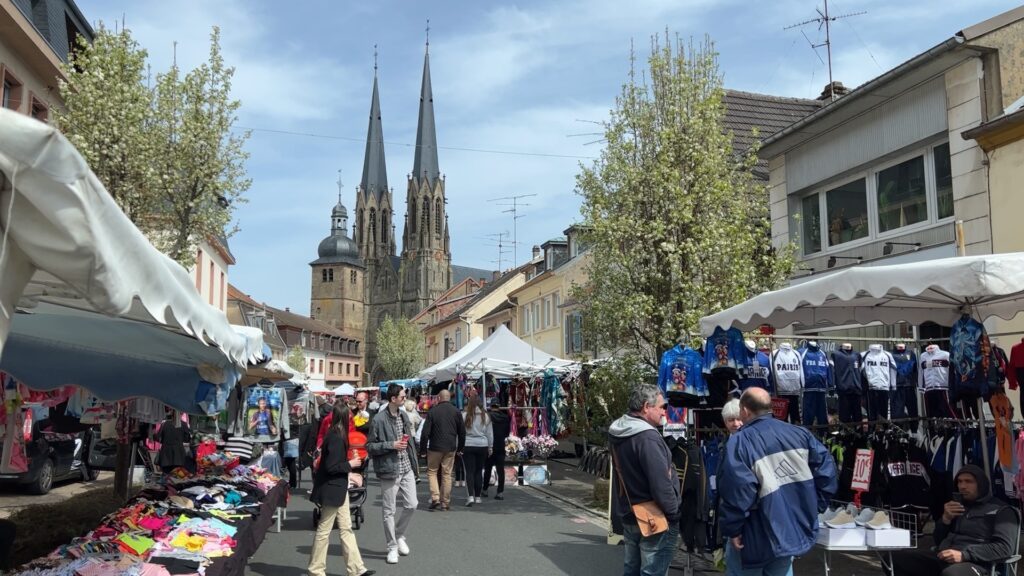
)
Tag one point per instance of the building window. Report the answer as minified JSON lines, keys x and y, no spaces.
{"x":426,"y":216}
{"x":847,"y":209}
{"x":348,"y":369}
{"x":555,"y":314}
{"x":508,"y":324}
{"x":373,"y":225}
{"x":902,"y":200}
{"x":357,"y":370}
{"x":211,"y":283}
{"x":223,"y":291}
{"x":321,"y":367}
{"x":312,"y":366}
{"x":490,"y":330}
{"x":437,"y":216}
{"x":810,"y":221}
{"x":352,"y":280}
{"x":38,"y":109}
{"x":547,"y":312}
{"x":330,"y":368}
{"x":943,"y":181}
{"x":458,"y":338}
{"x":12,"y":90}
{"x":537,"y":317}
{"x":574,"y":333}
{"x":526,"y":318}
{"x":199,"y":271}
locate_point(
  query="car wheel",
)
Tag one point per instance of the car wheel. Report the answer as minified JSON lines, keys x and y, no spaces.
{"x":44,"y":481}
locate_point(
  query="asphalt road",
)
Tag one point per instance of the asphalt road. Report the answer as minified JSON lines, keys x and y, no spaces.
{"x":526,"y":534}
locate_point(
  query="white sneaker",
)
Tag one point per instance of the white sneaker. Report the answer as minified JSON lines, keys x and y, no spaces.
{"x":828,"y":515}
{"x":393,"y":556}
{"x":403,"y":547}
{"x":470,"y":501}
{"x":880,"y":521}
{"x":842,"y":520}
{"x":864,"y":517}
{"x":479,"y":500}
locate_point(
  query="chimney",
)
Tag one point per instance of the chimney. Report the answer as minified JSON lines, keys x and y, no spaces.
{"x":536,"y":251}
{"x":835,"y":88}
{"x":495,"y":275}
{"x":287,"y":309}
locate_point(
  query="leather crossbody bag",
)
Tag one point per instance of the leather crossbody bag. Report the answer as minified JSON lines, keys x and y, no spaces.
{"x":649,"y":517}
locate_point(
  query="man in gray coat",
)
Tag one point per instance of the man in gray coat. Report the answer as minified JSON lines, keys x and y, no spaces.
{"x":392,"y":446}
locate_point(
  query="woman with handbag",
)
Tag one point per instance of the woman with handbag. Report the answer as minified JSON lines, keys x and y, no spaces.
{"x":330,"y":493}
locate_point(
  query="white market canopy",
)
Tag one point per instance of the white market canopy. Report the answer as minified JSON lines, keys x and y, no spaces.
{"x":935,"y":290}
{"x":85,"y":298}
{"x":503,"y":353}
{"x":428,"y":373}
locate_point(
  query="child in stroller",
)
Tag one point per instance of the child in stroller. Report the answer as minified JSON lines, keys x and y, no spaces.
{"x":356,"y":487}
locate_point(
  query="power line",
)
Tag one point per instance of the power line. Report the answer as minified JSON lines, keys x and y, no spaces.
{"x":459,"y":149}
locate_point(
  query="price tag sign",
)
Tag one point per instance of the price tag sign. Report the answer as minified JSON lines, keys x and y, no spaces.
{"x":780,"y":408}
{"x":862,"y":470}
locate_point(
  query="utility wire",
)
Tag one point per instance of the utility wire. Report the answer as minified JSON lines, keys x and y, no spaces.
{"x":460,"y":149}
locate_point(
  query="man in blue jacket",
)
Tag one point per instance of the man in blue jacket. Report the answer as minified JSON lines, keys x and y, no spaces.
{"x":644,"y":473}
{"x":775,"y":479}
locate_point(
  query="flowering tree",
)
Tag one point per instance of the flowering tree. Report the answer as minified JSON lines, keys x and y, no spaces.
{"x":677,"y":224}
{"x":400,"y":351}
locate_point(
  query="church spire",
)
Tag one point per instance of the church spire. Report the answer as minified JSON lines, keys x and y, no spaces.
{"x":425,"y":164}
{"x":375,"y":174}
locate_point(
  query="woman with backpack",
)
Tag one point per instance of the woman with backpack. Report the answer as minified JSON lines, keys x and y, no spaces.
{"x":330,"y":492}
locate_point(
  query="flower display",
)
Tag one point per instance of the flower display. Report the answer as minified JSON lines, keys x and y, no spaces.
{"x":513,"y":446}
{"x":541,"y":446}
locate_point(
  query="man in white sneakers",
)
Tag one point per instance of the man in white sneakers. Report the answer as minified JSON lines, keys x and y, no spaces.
{"x":393,"y":447}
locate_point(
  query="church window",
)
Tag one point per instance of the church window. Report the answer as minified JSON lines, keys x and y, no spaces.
{"x":384,"y":228}
{"x":323,"y":274}
{"x":359,"y":226}
{"x":330,"y":274}
{"x":373,"y":224}
{"x":352,"y":279}
{"x":412,"y":217}
{"x":437,"y":216}
{"x":426,"y":215}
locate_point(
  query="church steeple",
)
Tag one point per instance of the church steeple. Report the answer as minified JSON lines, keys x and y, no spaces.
{"x":375,"y":173}
{"x":425,"y":163}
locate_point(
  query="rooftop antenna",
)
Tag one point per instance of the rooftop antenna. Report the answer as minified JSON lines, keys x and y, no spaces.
{"x":339,"y":185}
{"x":499,"y":240}
{"x":428,"y":35}
{"x":824,"y":19}
{"x":514,"y":210}
{"x":375,"y":60}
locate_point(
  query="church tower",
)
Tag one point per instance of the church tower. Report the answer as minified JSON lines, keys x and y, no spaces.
{"x":338,"y":278}
{"x":374,"y":231}
{"x":426,"y":267}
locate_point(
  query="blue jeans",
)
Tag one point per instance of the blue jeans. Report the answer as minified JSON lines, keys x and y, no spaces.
{"x":734,"y":565}
{"x":650,"y":556}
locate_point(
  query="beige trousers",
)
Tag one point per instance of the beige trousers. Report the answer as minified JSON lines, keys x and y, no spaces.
{"x":443,"y":461}
{"x":349,"y":548}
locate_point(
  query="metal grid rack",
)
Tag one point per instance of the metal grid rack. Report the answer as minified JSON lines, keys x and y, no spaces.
{"x":899,"y":519}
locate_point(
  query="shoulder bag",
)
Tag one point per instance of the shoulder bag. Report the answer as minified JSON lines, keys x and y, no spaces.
{"x":649,"y":517}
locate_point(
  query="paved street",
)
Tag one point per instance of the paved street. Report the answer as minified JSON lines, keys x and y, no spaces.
{"x":526,"y":534}
{"x":14,"y":497}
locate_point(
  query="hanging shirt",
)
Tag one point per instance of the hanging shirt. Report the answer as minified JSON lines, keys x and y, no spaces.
{"x":1002,"y":413}
{"x":758,"y":371}
{"x":934,"y":373}
{"x":906,"y":367}
{"x":789,"y":377}
{"x":879,"y":368}
{"x":970,"y":357}
{"x":680,"y":371}
{"x":816,"y":369}
{"x":847,"y":371}
{"x":1015,"y":369}
{"x":725,"y":349}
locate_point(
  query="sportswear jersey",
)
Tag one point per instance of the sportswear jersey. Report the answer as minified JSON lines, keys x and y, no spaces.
{"x":847,"y":371}
{"x":906,"y":366}
{"x":758,"y":371}
{"x":970,"y":357}
{"x":789,"y":377}
{"x":879,"y":368}
{"x":934,"y":372}
{"x":816,"y":369}
{"x":725,"y":349}
{"x":680,"y":371}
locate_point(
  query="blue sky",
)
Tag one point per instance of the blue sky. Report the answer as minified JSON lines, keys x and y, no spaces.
{"x":527,"y":77}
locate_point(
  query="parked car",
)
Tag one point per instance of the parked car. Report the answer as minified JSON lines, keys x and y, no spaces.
{"x":52,"y":457}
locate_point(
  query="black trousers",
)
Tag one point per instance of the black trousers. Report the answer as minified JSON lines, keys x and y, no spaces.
{"x":849,"y":408}
{"x":496,"y":460}
{"x":878,"y":404}
{"x":794,"y":408}
{"x":920,"y":562}
{"x":936,"y":404}
{"x":293,"y":471}
{"x":474,"y":457}
{"x":969,"y":404}
{"x":904,"y":402}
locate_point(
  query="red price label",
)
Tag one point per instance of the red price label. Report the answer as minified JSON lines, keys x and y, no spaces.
{"x":780,"y":408}
{"x":862,"y":470}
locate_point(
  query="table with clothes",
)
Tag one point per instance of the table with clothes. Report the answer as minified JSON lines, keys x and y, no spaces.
{"x":207,"y":525}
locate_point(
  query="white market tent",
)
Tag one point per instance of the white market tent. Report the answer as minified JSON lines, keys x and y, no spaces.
{"x":80,"y":286}
{"x":934,"y":290}
{"x":428,"y":373}
{"x":503,"y":353}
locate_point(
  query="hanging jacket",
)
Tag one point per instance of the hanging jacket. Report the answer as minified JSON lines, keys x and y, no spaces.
{"x":816,"y":369}
{"x":999,"y":368}
{"x":906,"y":367}
{"x":724,"y":349}
{"x":789,"y":377}
{"x":879,"y":368}
{"x":970,"y":357}
{"x":1015,"y":369}
{"x":934,"y":373}
{"x":681,"y":370}
{"x":775,"y":479}
{"x":847,"y":371}
{"x":758,"y":371}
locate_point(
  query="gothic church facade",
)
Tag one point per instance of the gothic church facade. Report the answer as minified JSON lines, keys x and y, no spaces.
{"x":391,"y":285}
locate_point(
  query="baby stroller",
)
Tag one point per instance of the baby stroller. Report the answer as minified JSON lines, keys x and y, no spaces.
{"x":356,"y":499}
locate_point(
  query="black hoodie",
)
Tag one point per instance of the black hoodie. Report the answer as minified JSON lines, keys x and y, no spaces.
{"x":985,"y":531}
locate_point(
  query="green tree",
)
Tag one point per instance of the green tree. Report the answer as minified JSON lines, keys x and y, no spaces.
{"x":606,"y":396}
{"x":677,"y":224}
{"x":400,"y":350}
{"x":107,"y":115}
{"x":297,"y":359}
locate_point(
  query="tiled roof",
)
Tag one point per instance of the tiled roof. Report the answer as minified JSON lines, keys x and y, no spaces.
{"x":487,"y":289}
{"x":745,"y":111}
{"x":460,"y":273}
{"x":284,"y":318}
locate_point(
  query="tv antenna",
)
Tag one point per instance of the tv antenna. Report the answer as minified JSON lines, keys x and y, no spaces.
{"x":824,"y":19}
{"x":514,"y":210}
{"x":500,"y":241}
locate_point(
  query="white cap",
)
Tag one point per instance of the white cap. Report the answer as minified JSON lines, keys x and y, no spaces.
{"x":345,"y":390}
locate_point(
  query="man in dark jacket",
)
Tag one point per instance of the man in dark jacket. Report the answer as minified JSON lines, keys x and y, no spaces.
{"x":444,"y":434}
{"x":392,"y":445}
{"x":971,"y":534}
{"x":500,"y":425}
{"x":644,"y":473}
